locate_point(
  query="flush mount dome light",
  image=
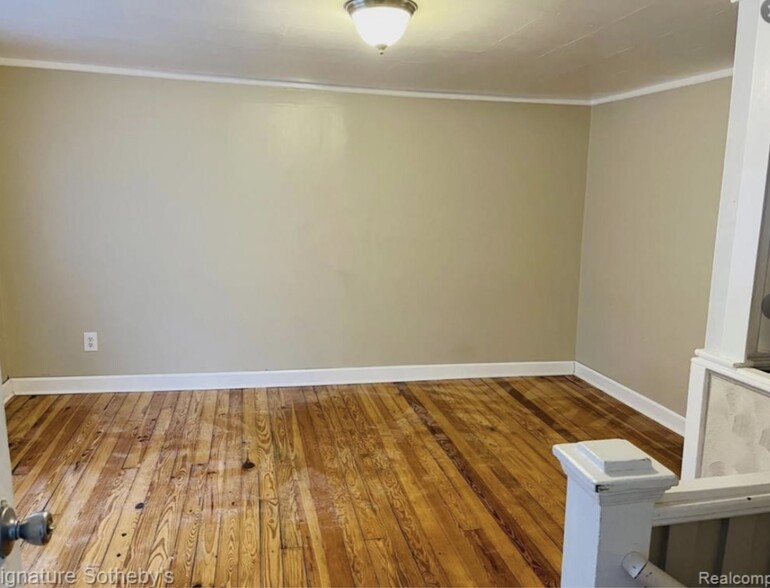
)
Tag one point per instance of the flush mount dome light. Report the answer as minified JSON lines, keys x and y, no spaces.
{"x":381,"y":23}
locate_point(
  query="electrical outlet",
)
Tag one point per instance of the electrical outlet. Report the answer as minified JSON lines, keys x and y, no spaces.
{"x":90,"y":342}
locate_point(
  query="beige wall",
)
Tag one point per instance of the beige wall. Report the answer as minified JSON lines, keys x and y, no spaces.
{"x":206,"y":227}
{"x":3,"y":351}
{"x":654,"y":179}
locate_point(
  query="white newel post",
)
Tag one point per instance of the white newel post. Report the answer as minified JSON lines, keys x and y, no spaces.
{"x":744,"y":180}
{"x":741,"y":249}
{"x":611,"y":492}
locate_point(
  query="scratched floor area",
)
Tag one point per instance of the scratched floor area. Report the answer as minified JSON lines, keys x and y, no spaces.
{"x":448,"y":483}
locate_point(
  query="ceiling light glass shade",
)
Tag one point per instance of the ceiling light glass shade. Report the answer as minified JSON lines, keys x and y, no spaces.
{"x":381,"y":23}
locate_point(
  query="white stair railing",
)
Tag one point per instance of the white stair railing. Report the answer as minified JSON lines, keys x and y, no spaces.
{"x":617,"y":494}
{"x":646,"y":573}
{"x":612,"y":487}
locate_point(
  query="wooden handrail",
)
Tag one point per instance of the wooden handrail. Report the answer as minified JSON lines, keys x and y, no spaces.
{"x":713,"y":498}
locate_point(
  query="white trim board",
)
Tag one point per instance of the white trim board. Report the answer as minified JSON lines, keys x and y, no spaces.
{"x":657,"y":412}
{"x":146,"y":73}
{"x":665,"y":87}
{"x":340,"y":376}
{"x":7,"y":391}
{"x":277,"y":379}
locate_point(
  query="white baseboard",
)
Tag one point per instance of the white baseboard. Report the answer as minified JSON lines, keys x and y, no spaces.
{"x":269,"y":379}
{"x":340,"y":376}
{"x":657,"y":412}
{"x":7,"y":391}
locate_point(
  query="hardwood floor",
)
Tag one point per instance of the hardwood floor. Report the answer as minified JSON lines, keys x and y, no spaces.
{"x":431,"y":483}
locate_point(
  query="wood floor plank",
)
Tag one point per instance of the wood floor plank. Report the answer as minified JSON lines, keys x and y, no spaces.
{"x":122,"y":482}
{"x":67,"y":468}
{"x":154,"y":532}
{"x":285,"y":473}
{"x":539,"y":551}
{"x":419,"y":484}
{"x":270,"y":565}
{"x":142,"y":433}
{"x":23,"y":421}
{"x":31,"y":439}
{"x":113,"y":507}
{"x":192,"y":432}
{"x":182,"y":513}
{"x":293,"y":567}
{"x":392,"y":535}
{"x":665,"y":445}
{"x":384,"y":562}
{"x":330,"y":543}
{"x":63,"y":426}
{"x":451,"y":545}
{"x":489,"y":525}
{"x":204,"y":565}
{"x":249,"y":548}
{"x":189,"y":527}
{"x":16,"y":404}
{"x":22,"y":432}
{"x":203,"y":440}
{"x":421,"y":442}
{"x":348,"y":468}
{"x":81,"y":499}
{"x":423,"y":549}
{"x":342,"y":503}
{"x":516,"y":469}
{"x":526,"y":460}
{"x":204,"y":568}
{"x":228,"y":552}
{"x":163,"y":549}
{"x":313,"y":545}
{"x":124,"y":539}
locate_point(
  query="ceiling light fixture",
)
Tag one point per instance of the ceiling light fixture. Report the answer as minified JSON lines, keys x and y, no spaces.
{"x":381,"y":23}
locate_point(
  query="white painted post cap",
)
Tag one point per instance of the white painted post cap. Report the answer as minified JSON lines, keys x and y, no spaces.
{"x":614,"y":467}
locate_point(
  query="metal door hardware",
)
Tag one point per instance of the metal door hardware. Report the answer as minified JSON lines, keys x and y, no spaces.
{"x":36,"y":529}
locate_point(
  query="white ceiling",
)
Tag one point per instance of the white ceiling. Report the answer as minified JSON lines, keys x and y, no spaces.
{"x":577,"y":49}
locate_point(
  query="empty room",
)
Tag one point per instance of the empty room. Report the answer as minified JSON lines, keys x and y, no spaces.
{"x":384,"y":293}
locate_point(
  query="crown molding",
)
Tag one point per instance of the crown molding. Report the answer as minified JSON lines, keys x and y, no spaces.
{"x":665,"y":87}
{"x":146,"y":73}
